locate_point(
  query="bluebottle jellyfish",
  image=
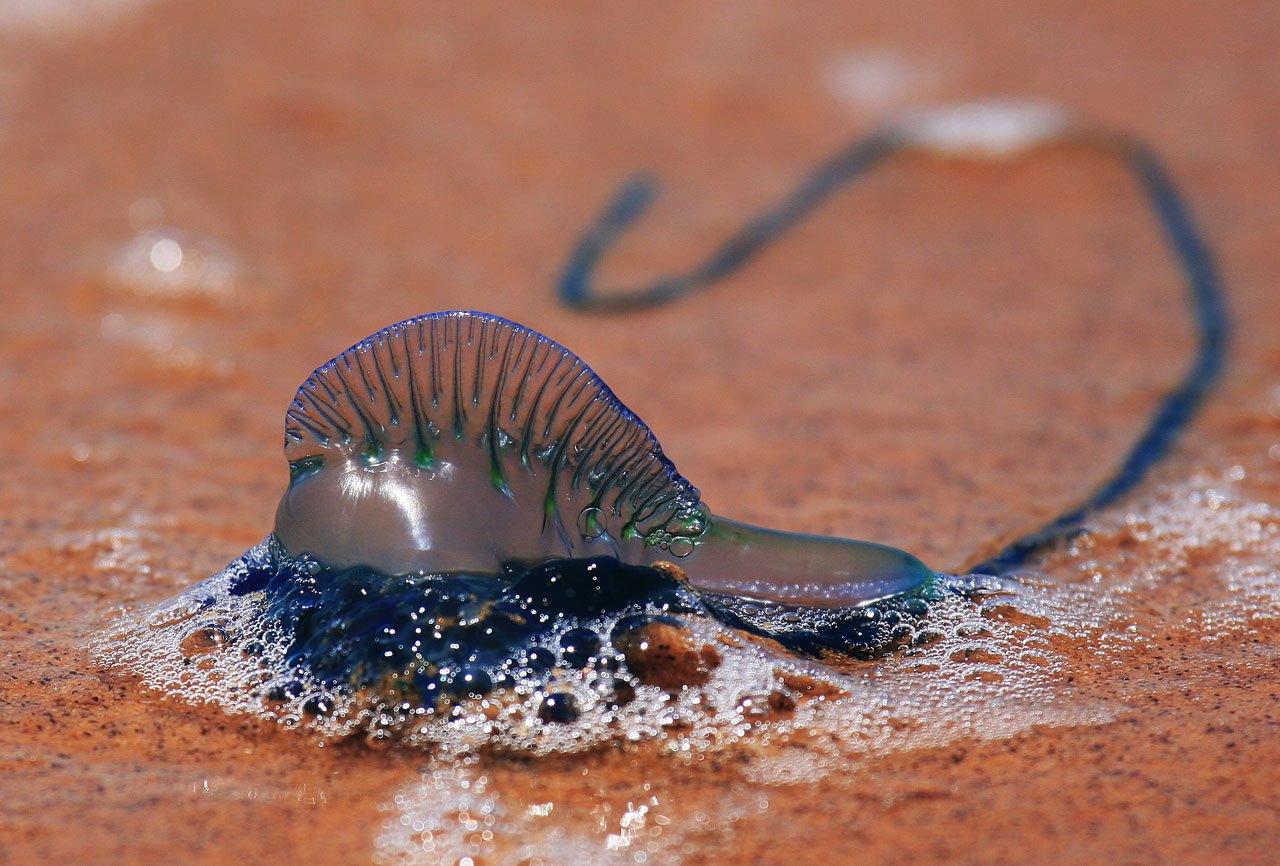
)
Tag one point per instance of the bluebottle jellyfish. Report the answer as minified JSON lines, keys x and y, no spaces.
{"x":463,"y":442}
{"x":471,"y":510}
{"x":472,"y":515}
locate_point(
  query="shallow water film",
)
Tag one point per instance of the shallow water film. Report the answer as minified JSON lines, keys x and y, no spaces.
{"x":200,"y":203}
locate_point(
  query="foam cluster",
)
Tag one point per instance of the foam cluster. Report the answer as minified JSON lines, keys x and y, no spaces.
{"x":556,"y":657}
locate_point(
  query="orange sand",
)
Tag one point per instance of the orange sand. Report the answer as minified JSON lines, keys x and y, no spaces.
{"x":942,"y":356}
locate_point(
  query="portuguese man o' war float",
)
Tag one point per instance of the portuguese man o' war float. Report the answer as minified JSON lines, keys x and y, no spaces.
{"x":480,"y":545}
{"x":464,"y":443}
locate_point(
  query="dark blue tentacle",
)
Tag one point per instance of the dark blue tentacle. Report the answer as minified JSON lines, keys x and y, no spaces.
{"x":577,"y":289}
{"x":1179,"y":406}
{"x":1170,"y":418}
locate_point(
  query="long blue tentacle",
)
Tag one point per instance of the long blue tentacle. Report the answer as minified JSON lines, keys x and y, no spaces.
{"x":1186,"y":242}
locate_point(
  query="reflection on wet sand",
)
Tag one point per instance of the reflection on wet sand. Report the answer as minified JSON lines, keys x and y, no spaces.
{"x":457,"y":814}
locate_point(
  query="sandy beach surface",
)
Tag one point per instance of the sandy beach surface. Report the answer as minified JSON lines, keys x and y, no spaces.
{"x":200,"y":203}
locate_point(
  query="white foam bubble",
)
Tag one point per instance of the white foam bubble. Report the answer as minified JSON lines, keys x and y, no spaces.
{"x":981,"y":667}
{"x":993,"y":128}
{"x":1212,"y":553}
{"x":874,"y":79}
{"x":174,"y":264}
{"x":455,"y":815}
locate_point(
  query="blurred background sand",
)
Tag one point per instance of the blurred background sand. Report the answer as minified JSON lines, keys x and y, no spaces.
{"x":199,"y":203}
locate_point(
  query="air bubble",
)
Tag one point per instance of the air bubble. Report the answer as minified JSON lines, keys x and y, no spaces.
{"x":167,"y":262}
{"x":209,"y":638}
{"x":540,"y":659}
{"x":286,"y":692}
{"x":579,"y":646}
{"x":681,"y":547}
{"x":591,"y":523}
{"x":472,"y":683}
{"x":558,"y":708}
{"x":317,"y":705}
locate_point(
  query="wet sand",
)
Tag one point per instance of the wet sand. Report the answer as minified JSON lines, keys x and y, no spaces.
{"x":942,"y":356}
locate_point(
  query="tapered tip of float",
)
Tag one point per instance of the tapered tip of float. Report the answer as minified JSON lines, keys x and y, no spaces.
{"x":799,"y":569}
